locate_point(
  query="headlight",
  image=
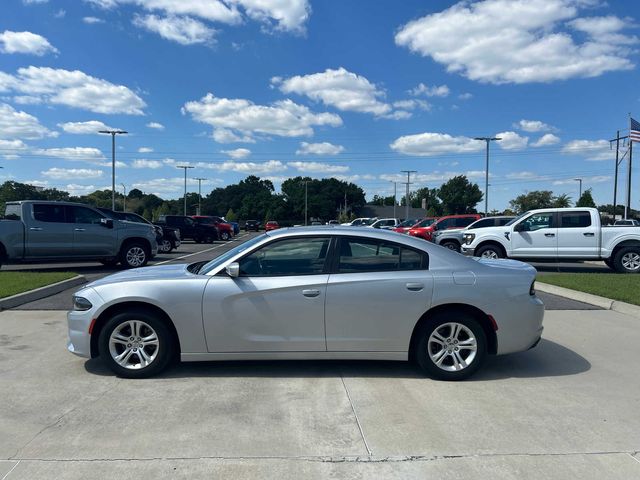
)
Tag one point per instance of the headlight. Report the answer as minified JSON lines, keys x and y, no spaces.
{"x":468,"y":238}
{"x":81,"y":304}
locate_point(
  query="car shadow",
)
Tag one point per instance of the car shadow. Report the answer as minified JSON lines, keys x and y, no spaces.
{"x":548,"y":359}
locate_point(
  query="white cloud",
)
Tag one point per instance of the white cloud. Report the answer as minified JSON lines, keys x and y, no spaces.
{"x":592,"y":150}
{"x":34,"y":2}
{"x":324,"y":148}
{"x":412,"y":104}
{"x":142,"y":163}
{"x":77,"y":190}
{"x":518,"y":41}
{"x":9,"y":149}
{"x":60,"y":13}
{"x":465,"y":96}
{"x":183,"y":30}
{"x":155,"y":126}
{"x":585,"y":180}
{"x":339,"y":88}
{"x":92,"y":20}
{"x":523,"y":176}
{"x":82,"y":154}
{"x":434,"y":91}
{"x":283,"y":15}
{"x":512,"y":141}
{"x":533,"y":126}
{"x":545,"y":140}
{"x":84,"y":128}
{"x":16,"y":124}
{"x":145,"y":150}
{"x":317,"y":167}
{"x":72,"y":89}
{"x":71,"y":173}
{"x":245,"y":119}
{"x":25,"y":42}
{"x":224,"y":135}
{"x":238,"y":153}
{"x":430,"y":144}
{"x":249,"y":167}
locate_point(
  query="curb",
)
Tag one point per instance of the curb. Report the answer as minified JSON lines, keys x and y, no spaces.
{"x":42,"y":292}
{"x":598,"y":301}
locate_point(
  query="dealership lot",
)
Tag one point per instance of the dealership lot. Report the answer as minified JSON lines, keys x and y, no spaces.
{"x":566,"y":409}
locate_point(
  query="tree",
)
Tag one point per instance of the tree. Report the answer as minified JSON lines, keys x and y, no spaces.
{"x":458,"y":195}
{"x":382,"y":201}
{"x":539,"y":199}
{"x":431,"y":196}
{"x":231,"y":215}
{"x":586,"y":200}
{"x":561,"y":201}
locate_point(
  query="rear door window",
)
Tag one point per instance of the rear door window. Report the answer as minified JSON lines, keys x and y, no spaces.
{"x":464,"y":221}
{"x":358,"y":255}
{"x":575,"y":219}
{"x":50,"y":213}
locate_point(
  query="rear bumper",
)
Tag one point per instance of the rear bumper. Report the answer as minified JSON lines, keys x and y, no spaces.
{"x":520,"y":325}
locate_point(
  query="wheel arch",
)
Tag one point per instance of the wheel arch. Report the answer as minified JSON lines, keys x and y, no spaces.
{"x":496,"y":243}
{"x":482,"y":318}
{"x":117,"y":308}
{"x":623,"y":244}
{"x":128,"y":241}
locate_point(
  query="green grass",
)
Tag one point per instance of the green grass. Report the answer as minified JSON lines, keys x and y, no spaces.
{"x":12,"y":283}
{"x":621,"y":287}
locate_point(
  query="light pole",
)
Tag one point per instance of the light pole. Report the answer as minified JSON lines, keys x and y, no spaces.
{"x":395,"y":193}
{"x":486,"y":172}
{"x":124,"y":197}
{"x":580,"y":194}
{"x":199,"y":191}
{"x":305,"y":201}
{"x":406,"y":198}
{"x":185,"y":167}
{"x":113,"y":134}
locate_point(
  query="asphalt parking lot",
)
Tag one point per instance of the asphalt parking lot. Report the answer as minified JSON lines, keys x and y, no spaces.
{"x":566,"y":409}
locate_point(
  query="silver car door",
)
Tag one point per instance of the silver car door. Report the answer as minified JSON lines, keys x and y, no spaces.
{"x":379,"y":293}
{"x":275,"y":305}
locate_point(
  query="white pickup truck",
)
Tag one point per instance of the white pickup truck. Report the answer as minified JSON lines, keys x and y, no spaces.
{"x":558,"y":234}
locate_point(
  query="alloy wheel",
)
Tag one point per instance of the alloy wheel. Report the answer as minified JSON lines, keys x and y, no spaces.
{"x":134,"y":345}
{"x":452,"y":347}
{"x":631,"y":261}
{"x":136,"y":256}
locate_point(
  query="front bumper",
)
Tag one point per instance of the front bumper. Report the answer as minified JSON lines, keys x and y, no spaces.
{"x":79,"y":323}
{"x":466,"y":250}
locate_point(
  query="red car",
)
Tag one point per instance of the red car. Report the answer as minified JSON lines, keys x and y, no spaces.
{"x":272,"y":225}
{"x":407,"y":225}
{"x":225,"y":230}
{"x":443,"y":223}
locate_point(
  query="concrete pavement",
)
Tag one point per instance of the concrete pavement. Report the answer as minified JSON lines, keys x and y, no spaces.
{"x":567,"y":409}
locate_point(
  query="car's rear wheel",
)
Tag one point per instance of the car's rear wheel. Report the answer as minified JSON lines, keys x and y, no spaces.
{"x":134,"y":255}
{"x":490,"y":251}
{"x":627,"y":260}
{"x":165,"y":246}
{"x":452,"y":346}
{"x":451,"y":246}
{"x":136,"y":345}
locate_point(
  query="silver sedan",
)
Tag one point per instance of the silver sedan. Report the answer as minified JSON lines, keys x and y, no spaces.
{"x":312,"y":293}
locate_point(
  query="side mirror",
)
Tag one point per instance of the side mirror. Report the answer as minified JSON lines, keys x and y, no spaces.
{"x":233,"y":270}
{"x":106,"y":222}
{"x":519,"y":228}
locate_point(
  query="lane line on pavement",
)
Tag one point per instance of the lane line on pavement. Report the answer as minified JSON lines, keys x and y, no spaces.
{"x":12,"y":469}
{"x":196,"y":253}
{"x":353,"y":409}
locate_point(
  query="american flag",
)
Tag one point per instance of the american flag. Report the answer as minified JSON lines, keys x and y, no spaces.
{"x":634,"y":133}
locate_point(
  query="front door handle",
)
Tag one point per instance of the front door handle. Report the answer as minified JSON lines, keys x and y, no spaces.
{"x":415,"y":287}
{"x":78,"y":229}
{"x":589,"y":234}
{"x":36,"y":229}
{"x":549,"y":234}
{"x":311,"y":292}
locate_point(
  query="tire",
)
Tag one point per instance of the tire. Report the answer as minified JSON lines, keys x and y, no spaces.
{"x":134,"y":255}
{"x":224,"y":236}
{"x":489,"y":251}
{"x":451,"y":246}
{"x":609,"y":263}
{"x":627,"y":260}
{"x":165,"y":246}
{"x":111,"y":262}
{"x":115,"y":340}
{"x":451,"y":329}
{"x":197,"y":239}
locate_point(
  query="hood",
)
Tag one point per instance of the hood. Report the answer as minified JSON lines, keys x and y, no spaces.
{"x":162,"y":272}
{"x":505,"y":263}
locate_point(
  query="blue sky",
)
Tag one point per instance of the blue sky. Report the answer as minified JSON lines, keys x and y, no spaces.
{"x":359,"y":90}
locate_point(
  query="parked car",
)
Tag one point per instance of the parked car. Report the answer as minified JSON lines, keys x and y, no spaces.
{"x":225,"y":230}
{"x":315,"y":223}
{"x":333,"y":222}
{"x":271,"y":225}
{"x":58,"y":231}
{"x":452,"y":239}
{"x":168,"y":238}
{"x":444,"y":223}
{"x":349,"y":282}
{"x":386,"y":223}
{"x":405,"y":225}
{"x":234,"y":225}
{"x":251,"y":225}
{"x":627,"y":223}
{"x":558,"y":234}
{"x":190,"y":229}
{"x":360,"y":222}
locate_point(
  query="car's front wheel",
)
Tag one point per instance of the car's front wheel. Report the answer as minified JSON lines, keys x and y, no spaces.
{"x":490,"y":251}
{"x":165,"y":246}
{"x":136,"y":345}
{"x":451,"y":246}
{"x":452,"y":346}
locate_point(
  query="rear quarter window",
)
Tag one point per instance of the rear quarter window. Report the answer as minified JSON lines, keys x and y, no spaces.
{"x":13,"y":212}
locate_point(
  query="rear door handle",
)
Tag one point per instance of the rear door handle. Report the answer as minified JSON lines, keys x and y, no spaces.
{"x":589,"y":234}
{"x":415,"y":287}
{"x":311,"y":293}
{"x":549,"y":234}
{"x":36,"y":229}
{"x":78,"y":229}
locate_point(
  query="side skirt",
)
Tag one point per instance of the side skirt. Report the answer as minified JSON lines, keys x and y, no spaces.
{"x":209,"y":357}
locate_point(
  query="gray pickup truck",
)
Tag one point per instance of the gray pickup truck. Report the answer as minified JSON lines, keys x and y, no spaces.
{"x":37,"y":231}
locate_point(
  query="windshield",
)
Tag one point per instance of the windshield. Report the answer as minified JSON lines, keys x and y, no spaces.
{"x":515,"y":219}
{"x":409,"y":223}
{"x":369,"y":221}
{"x":216,"y":262}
